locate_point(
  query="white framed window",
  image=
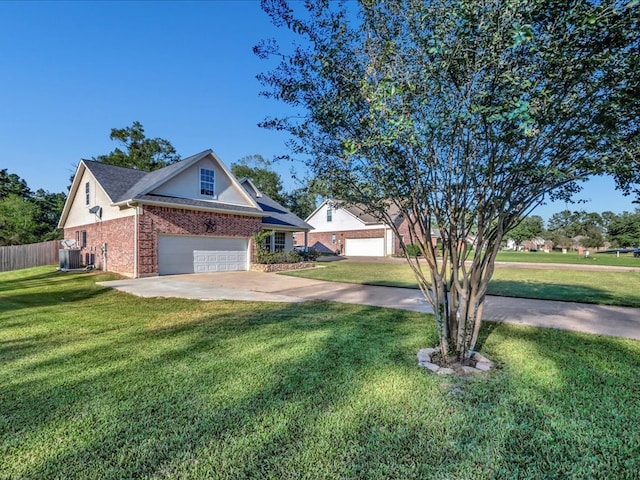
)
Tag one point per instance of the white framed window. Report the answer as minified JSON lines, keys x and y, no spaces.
{"x":278,"y":241}
{"x":333,"y":239}
{"x":207,"y":182}
{"x":81,"y":238}
{"x":87,"y":191}
{"x":329,"y":214}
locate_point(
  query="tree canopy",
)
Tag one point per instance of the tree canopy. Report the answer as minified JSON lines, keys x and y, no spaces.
{"x":567,"y":227}
{"x":301,"y":201}
{"x":624,"y":230}
{"x":17,"y":221}
{"x":10,"y":183}
{"x":528,"y":229}
{"x":139,"y":152}
{"x":463,"y":115}
{"x":27,"y":217}
{"x":257,"y":169}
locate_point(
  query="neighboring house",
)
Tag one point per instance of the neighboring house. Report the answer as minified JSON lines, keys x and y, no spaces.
{"x":534,"y":244}
{"x":511,"y":244}
{"x":191,"y":216}
{"x":348,"y":230}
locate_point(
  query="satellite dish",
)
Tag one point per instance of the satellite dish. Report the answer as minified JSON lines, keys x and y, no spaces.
{"x":97,"y":210}
{"x":68,"y":243}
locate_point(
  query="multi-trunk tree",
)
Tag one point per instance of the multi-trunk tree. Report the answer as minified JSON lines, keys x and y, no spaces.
{"x":462,"y":115}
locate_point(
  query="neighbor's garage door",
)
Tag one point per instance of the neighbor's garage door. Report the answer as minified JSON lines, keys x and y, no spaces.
{"x":185,"y":254}
{"x":364,"y":247}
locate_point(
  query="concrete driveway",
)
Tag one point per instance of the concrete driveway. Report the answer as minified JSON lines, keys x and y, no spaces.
{"x":271,"y":287}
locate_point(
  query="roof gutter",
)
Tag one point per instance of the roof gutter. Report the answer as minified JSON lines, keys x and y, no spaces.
{"x":288,"y":228}
{"x":129,"y":203}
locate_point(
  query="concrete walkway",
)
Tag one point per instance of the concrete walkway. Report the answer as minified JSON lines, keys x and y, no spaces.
{"x":270,"y":287}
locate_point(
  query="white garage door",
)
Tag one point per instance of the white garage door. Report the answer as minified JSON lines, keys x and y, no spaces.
{"x":364,"y":247}
{"x":185,"y":254}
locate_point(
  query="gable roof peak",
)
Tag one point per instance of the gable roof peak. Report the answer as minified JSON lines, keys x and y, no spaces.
{"x":245,"y":181}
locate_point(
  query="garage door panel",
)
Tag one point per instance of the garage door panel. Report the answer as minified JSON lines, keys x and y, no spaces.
{"x":219,"y":261}
{"x":189,"y":254}
{"x":364,"y":247}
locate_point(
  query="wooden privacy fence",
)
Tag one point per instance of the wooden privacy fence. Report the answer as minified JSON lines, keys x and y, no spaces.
{"x":16,"y":257}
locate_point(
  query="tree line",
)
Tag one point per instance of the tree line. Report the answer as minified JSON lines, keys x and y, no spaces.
{"x":568,"y":229}
{"x":27,"y":216}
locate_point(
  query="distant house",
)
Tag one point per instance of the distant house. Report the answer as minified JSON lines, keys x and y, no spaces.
{"x":533,"y":244}
{"x":191,"y":216}
{"x":536,"y":244}
{"x":347,"y":229}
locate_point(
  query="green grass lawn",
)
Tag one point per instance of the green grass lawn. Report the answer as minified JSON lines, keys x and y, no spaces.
{"x":601,"y":287}
{"x":99,"y":384}
{"x":594,"y":258}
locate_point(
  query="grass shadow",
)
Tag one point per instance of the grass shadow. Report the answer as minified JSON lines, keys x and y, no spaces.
{"x":563,"y":404}
{"x":210,"y":382}
{"x":41,"y":287}
{"x":559,"y":292}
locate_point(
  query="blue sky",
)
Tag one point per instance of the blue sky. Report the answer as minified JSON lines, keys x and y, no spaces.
{"x":71,"y":71}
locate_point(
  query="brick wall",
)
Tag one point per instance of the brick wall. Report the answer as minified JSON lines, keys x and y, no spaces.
{"x":156,"y":221}
{"x":403,"y":229}
{"x":118,"y":236}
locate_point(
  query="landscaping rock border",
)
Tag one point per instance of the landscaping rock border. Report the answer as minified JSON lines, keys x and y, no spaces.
{"x":280,"y":267}
{"x":478,"y":363}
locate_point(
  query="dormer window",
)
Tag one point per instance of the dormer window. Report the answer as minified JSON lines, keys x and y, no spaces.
{"x":207,"y":182}
{"x":87,"y":190}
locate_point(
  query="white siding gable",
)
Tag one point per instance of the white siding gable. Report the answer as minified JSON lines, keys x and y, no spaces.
{"x":79,"y":210}
{"x":340,"y":220}
{"x":187,"y":185}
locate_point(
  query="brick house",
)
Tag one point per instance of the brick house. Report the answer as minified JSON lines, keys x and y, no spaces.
{"x":191,"y":216}
{"x":349,"y":230}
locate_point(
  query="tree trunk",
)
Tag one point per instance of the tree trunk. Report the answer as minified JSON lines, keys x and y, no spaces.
{"x":457,"y":296}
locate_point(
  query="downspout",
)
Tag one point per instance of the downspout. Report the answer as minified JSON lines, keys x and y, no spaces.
{"x":135,"y":245}
{"x":135,"y":238}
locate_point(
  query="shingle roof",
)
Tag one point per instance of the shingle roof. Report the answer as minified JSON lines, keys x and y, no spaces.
{"x":114,"y":180}
{"x":359,"y":212}
{"x":277,"y":214}
{"x":122,"y":184}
